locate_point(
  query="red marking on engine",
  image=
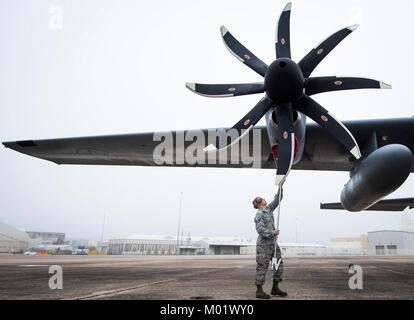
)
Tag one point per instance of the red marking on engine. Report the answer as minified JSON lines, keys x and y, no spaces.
{"x":232,"y":89}
{"x":320,"y":51}
{"x":285,"y":135}
{"x":338,"y":83}
{"x":274,"y":149}
{"x":247,"y":56}
{"x":324,"y":118}
{"x":247,"y":122}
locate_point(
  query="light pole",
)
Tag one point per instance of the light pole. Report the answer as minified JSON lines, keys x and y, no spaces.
{"x":179,"y":221}
{"x":296,"y":229}
{"x":103,"y":226}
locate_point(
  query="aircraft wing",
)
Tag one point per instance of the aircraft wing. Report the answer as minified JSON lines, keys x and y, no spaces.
{"x":383,"y":205}
{"x":321,"y":151}
{"x":135,"y":149}
{"x":123,"y":149}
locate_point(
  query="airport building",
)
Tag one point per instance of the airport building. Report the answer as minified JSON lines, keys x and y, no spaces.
{"x":221,"y":246}
{"x":52,"y":248}
{"x":78,"y":243}
{"x":50,"y":242}
{"x":143,"y":244}
{"x":167,"y":245}
{"x":12,"y":240}
{"x":164,"y":244}
{"x":390,"y":242}
{"x":351,"y":243}
{"x":301,"y":249}
{"x":47,"y":237}
{"x":349,"y":246}
{"x":385,"y":242}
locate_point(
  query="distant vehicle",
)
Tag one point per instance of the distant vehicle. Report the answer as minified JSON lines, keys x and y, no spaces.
{"x":30,"y":253}
{"x":81,"y":252}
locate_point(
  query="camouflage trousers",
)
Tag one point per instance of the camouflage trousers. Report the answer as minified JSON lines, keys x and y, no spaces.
{"x":264,"y":255}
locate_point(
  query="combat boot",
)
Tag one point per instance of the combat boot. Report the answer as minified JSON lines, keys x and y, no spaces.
{"x":276,"y":291}
{"x":260,"y":294}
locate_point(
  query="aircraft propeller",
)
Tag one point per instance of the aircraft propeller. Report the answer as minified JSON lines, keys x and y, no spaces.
{"x":288,"y":86}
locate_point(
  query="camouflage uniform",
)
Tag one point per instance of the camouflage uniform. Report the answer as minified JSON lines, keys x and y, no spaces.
{"x":265,"y":246}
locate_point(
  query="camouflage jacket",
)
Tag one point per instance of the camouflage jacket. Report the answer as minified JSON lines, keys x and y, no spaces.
{"x":265,"y":223}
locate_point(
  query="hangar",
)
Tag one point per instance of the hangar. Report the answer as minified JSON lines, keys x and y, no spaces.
{"x":143,"y":244}
{"x":215,"y":246}
{"x":391,"y":242}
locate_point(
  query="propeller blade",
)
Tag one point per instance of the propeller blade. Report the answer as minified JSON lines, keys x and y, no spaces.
{"x":325,"y":84}
{"x":246,"y":123}
{"x":285,"y":141}
{"x":316,"y":55}
{"x":225,"y":90}
{"x":283,"y":33}
{"x":241,"y":53}
{"x":325,"y":119}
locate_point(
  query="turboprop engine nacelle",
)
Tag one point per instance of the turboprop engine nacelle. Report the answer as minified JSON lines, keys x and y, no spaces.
{"x":376,"y":176}
{"x":299,"y":128}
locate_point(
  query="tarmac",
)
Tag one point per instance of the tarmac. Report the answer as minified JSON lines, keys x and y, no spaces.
{"x":201,"y":277}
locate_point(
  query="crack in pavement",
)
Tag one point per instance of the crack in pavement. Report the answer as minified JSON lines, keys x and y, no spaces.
{"x":117,"y":291}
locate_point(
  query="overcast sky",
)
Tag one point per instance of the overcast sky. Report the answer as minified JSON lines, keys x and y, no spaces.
{"x":120,"y":67}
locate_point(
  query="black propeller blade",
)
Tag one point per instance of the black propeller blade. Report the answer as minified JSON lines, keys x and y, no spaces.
{"x":283,"y":33}
{"x":241,"y":53}
{"x":225,"y":90}
{"x":316,"y":55}
{"x":246,"y":123}
{"x":285,"y":141}
{"x":325,"y":84}
{"x":320,"y":115}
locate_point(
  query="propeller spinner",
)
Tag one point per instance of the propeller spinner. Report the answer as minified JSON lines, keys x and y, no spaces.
{"x":288,"y":86}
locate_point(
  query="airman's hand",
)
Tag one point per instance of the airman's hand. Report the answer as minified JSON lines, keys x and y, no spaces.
{"x":277,"y":232}
{"x":281,"y":194}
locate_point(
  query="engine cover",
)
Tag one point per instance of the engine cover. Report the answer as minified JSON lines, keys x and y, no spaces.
{"x":376,"y":176}
{"x":299,"y":127}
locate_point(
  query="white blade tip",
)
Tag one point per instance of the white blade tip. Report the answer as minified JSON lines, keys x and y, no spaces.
{"x":209,"y":148}
{"x":279,"y":179}
{"x":385,"y":86}
{"x":355,"y":152}
{"x":190,"y":86}
{"x":223,"y":30}
{"x":288,"y":7}
{"x":353,"y":27}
